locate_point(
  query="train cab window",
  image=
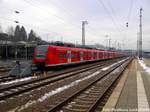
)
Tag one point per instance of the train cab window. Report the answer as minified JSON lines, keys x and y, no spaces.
{"x":41,"y":48}
{"x":41,"y":51}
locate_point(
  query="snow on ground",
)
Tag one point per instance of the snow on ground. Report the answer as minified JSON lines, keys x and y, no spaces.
{"x":57,"y":90}
{"x":106,"y":68}
{"x":60,"y":89}
{"x":146,"y":68}
{"x":17,"y":80}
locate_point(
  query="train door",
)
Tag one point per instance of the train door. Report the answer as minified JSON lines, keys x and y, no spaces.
{"x":92,"y":58}
{"x":97,"y":55}
{"x":81,"y":55}
{"x":103,"y":54}
{"x":69,"y":56}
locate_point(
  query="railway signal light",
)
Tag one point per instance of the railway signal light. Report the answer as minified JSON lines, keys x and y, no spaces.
{"x":127,"y":24}
{"x":16,"y":11}
{"x":16,"y":21}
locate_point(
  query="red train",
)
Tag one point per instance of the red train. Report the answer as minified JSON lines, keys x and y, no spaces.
{"x":51,"y":55}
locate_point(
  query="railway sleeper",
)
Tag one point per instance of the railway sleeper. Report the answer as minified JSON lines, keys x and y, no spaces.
{"x":72,"y":110}
{"x":82,"y":101}
{"x":85,"y":99}
{"x":78,"y":105}
{"x":93,"y":94}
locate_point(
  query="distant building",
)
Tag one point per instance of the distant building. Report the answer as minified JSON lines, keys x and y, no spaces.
{"x":146,"y":54}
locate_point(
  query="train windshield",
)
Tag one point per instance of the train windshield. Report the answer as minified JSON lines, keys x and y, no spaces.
{"x":41,"y":52}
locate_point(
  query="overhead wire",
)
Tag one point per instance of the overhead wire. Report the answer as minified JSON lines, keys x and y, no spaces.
{"x":36,"y":4}
{"x":69,"y":14}
{"x":13,"y":21}
{"x":109,"y":14}
{"x":130,"y":10}
{"x":40,"y":9}
{"x":114,"y":14}
{"x":28,"y":25}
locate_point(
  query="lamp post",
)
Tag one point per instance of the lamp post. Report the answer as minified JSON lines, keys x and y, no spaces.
{"x":140,"y":35}
{"x":16,"y":52}
{"x":27,"y":51}
{"x":6,"y":48}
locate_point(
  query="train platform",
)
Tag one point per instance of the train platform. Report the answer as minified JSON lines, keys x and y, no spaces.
{"x":132,"y":93}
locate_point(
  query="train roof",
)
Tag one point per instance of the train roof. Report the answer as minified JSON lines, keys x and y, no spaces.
{"x":65,"y":44}
{"x":74,"y":48}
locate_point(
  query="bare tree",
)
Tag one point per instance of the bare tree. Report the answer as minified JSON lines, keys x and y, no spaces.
{"x":10,"y":30}
{"x":1,"y":30}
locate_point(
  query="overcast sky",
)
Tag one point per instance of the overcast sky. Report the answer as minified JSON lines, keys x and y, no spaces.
{"x":61,"y":19}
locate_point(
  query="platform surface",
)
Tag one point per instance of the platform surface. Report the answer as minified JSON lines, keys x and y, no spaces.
{"x":132,"y":93}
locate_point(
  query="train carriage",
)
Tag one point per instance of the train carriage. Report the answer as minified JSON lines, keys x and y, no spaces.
{"x":50,"y":55}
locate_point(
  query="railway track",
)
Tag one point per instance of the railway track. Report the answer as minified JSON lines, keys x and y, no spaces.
{"x":88,"y":98}
{"x":5,"y":69}
{"x":5,"y":78}
{"x":19,"y":88}
{"x":3,"y":74}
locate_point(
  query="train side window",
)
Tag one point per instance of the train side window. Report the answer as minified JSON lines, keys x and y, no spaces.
{"x":72,"y":55}
{"x":78,"y":55}
{"x":64,"y":56}
{"x":92,"y":54}
{"x":95,"y":55}
{"x":81,"y":55}
{"x":100,"y":54}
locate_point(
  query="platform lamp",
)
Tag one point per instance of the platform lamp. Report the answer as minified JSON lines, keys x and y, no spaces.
{"x":17,"y":22}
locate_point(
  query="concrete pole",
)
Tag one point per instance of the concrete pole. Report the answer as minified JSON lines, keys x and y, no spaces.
{"x":109,"y":40}
{"x":138,"y":44}
{"x":83,"y":32}
{"x":106,"y":42}
{"x":140,"y":36}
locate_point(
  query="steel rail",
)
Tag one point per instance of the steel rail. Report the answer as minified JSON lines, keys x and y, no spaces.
{"x":64,"y":102}
{"x":32,"y":86}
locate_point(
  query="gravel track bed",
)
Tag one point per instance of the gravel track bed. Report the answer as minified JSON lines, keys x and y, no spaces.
{"x":18,"y":101}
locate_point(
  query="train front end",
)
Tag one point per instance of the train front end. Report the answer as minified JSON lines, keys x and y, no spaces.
{"x":40,"y":54}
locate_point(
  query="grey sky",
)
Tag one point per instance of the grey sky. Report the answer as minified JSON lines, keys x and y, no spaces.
{"x":57,"y":19}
